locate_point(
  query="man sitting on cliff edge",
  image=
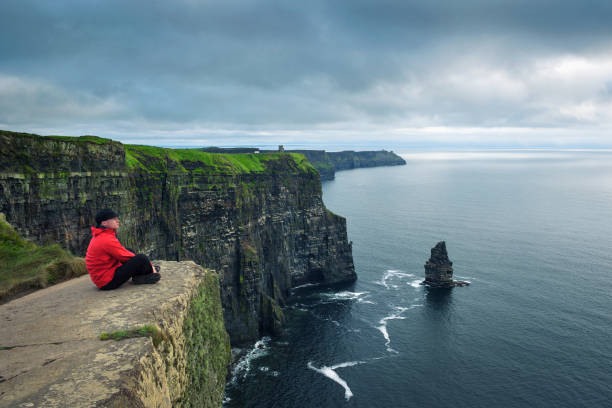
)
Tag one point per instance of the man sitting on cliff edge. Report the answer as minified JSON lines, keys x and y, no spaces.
{"x":109,"y":264}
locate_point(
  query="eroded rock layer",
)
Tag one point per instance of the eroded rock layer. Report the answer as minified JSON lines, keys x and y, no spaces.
{"x":439,"y":269}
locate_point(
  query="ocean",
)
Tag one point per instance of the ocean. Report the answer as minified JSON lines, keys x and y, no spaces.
{"x":529,"y":229}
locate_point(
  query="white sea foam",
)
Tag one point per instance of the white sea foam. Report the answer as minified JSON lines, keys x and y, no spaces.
{"x":360,"y":297}
{"x":385,"y":333}
{"x":268,"y":371}
{"x":306,"y":285}
{"x":330,"y":373}
{"x":344,"y":295}
{"x":391,"y":274}
{"x":243,"y":367}
{"x":397,"y":315}
{"x":416,"y":283}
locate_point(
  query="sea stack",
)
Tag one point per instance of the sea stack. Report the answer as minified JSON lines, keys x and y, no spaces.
{"x":439,"y":269}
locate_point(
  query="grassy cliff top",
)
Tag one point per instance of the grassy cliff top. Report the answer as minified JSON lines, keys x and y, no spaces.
{"x":318,"y":158}
{"x":31,"y":153}
{"x":81,"y":139}
{"x":25,"y":266}
{"x":159,"y":159}
{"x":71,"y":139}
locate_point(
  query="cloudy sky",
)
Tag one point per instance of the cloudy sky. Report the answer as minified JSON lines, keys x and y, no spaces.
{"x":384,"y":73}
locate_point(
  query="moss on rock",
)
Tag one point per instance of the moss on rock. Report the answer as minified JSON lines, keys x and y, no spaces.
{"x":145,"y":331}
{"x":81,"y":139}
{"x":25,"y":266}
{"x":207,"y":346}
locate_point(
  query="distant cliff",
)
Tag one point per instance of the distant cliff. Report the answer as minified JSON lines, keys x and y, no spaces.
{"x":352,"y":160}
{"x":256,"y":219}
{"x":329,"y":162}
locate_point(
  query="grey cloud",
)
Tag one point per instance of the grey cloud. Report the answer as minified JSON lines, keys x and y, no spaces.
{"x":309,"y":65}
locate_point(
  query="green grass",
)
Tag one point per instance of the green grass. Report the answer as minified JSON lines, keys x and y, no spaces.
{"x":87,"y":138}
{"x":74,"y":139}
{"x":144,"y":331}
{"x":25,"y":266}
{"x":303,"y":162}
{"x":159,"y":159}
{"x":154,"y":159}
{"x":207,"y":347}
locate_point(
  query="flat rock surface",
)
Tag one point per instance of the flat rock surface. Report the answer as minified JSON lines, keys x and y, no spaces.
{"x":50,"y":352}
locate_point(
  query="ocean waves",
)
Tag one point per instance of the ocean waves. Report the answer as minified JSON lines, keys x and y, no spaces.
{"x":330,"y":372}
{"x":243,"y":367}
{"x":391,"y":277}
{"x":369,"y":315}
{"x":359,"y":297}
{"x":327,"y":298}
{"x":396,"y":315}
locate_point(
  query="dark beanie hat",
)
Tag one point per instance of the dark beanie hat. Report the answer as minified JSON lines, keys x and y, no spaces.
{"x":105,"y":214}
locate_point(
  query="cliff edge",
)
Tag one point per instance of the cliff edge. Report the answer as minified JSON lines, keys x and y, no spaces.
{"x":258,"y":220}
{"x":52,"y":355}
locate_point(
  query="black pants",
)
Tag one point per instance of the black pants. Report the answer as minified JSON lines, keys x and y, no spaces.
{"x":138,"y":265}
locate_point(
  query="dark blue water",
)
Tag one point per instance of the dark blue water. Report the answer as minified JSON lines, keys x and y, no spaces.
{"x":530,"y":230}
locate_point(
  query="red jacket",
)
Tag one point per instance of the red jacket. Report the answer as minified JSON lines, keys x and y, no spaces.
{"x":104,"y":255}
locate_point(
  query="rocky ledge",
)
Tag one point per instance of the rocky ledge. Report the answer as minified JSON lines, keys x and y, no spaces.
{"x":439,"y":269}
{"x":171,"y":349}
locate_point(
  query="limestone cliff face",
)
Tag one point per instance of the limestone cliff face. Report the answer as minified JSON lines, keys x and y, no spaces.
{"x":349,"y":159}
{"x":257,"y":219}
{"x":327,"y":163}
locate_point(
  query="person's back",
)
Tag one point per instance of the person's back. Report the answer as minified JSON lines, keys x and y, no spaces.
{"x":104,"y":255}
{"x":109,"y":264}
